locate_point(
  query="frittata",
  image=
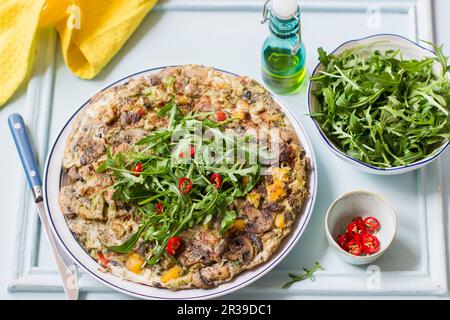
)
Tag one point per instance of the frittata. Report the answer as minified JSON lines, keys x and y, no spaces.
{"x":146,"y":215}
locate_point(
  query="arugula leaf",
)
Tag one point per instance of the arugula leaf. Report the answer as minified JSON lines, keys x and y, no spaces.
{"x":309,"y":274}
{"x":129,"y":244}
{"x":227,"y":221}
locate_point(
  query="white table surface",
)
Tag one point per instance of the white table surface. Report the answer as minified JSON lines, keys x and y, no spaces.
{"x":12,"y":175}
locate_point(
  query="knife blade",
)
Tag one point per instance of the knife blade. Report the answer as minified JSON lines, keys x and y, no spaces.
{"x":66,"y":268}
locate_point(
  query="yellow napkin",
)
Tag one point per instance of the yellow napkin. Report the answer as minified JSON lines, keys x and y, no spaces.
{"x":91,"y":33}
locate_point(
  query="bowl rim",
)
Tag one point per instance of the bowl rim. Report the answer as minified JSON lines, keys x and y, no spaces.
{"x":339,"y":152}
{"x":264,"y":268}
{"x":336,"y":245}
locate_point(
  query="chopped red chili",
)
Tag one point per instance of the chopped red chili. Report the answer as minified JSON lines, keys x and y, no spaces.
{"x":221,"y":116}
{"x":342,"y":240}
{"x":216,"y":180}
{"x":370,"y":243}
{"x":354,"y":247}
{"x":159,"y":208}
{"x":372,"y":224}
{"x":141,"y":111}
{"x":102,"y":260}
{"x":356,"y":228}
{"x":137,"y":169}
{"x":173,"y":245}
{"x":185,"y":185}
{"x":358,"y":237}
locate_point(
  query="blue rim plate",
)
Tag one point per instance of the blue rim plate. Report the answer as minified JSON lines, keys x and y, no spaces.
{"x":52,"y":181}
{"x":359,"y":164}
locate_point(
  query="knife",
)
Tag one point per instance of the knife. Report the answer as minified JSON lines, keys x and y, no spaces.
{"x":67,"y":269}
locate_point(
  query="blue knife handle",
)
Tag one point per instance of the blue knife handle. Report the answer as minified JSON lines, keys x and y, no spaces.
{"x":19,"y":133}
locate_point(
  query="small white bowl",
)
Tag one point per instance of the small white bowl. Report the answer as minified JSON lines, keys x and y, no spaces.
{"x":360,"y":204}
{"x":382,"y":42}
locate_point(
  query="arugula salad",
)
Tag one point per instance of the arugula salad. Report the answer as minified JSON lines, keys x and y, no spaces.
{"x":381,"y":108}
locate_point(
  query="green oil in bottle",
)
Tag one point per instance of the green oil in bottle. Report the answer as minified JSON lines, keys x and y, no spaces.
{"x":283,"y":53}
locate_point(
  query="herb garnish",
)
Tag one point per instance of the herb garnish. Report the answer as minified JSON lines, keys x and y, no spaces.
{"x":309,"y":274}
{"x":383,"y":110}
{"x":158,"y":180}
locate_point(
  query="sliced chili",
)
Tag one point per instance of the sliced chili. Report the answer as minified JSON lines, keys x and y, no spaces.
{"x":137,"y":169}
{"x":102,"y":260}
{"x":216,"y":180}
{"x":141,"y":111}
{"x":372,"y":224}
{"x":221,"y":116}
{"x":185,"y":185}
{"x":358,"y":237}
{"x":370,"y":243}
{"x":159,"y":207}
{"x":356,"y":228}
{"x":342,"y":240}
{"x":173,"y":245}
{"x":354,"y":247}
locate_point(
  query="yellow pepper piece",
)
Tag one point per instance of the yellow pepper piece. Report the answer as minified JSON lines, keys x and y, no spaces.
{"x":254,"y":198}
{"x":279,"y":221}
{"x":239,"y":114}
{"x":275,"y":191}
{"x":134,"y":263}
{"x":238,"y":224}
{"x":171,"y":274}
{"x":182,"y":100}
{"x":281,"y":174}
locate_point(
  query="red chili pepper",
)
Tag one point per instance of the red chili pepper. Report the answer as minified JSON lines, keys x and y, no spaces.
{"x":372,"y":224}
{"x":342,"y":240}
{"x":141,"y":111}
{"x":159,"y":207}
{"x":102,"y":260}
{"x":370,"y":243}
{"x":216,"y":180}
{"x":137,"y":169}
{"x":221,"y":116}
{"x":356,"y":228}
{"x":185,"y":185}
{"x":173,"y":245}
{"x":354,"y":247}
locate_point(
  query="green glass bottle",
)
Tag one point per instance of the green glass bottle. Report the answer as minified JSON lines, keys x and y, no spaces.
{"x":283,"y":53}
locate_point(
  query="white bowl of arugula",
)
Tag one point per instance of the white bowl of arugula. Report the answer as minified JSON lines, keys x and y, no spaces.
{"x":381,"y":103}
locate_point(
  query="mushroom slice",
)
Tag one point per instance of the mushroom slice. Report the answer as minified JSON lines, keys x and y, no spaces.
{"x":240,"y":248}
{"x":256,"y":240}
{"x":194,"y":254}
{"x":205,"y":278}
{"x":262,"y":224}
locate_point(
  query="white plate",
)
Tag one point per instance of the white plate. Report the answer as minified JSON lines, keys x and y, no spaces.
{"x":52,"y":181}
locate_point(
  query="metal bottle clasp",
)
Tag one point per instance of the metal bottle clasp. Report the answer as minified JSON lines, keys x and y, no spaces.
{"x":267,"y":9}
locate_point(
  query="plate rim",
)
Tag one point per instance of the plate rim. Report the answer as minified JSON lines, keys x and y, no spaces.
{"x":265,"y":267}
